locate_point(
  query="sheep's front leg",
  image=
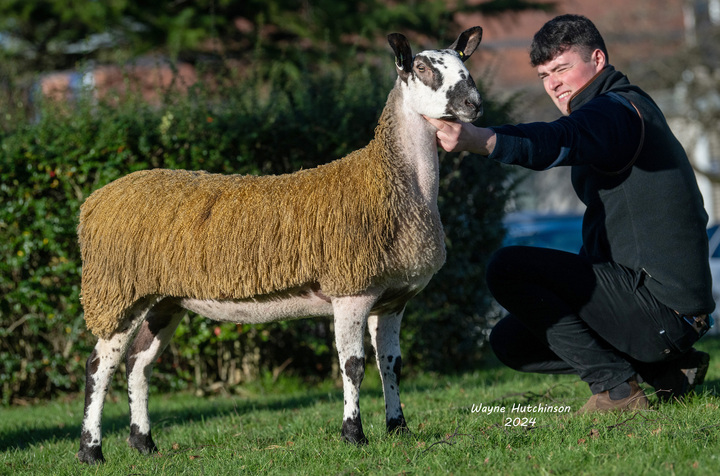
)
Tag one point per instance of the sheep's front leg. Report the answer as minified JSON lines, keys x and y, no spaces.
{"x":154,"y":335}
{"x":351,"y":314}
{"x":385,"y":337}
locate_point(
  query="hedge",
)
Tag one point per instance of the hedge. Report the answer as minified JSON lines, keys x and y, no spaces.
{"x":256,"y":124}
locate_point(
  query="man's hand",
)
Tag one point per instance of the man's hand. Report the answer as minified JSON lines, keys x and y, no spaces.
{"x":457,"y":136}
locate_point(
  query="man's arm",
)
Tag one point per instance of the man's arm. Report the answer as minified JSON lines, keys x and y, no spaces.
{"x":603,"y":133}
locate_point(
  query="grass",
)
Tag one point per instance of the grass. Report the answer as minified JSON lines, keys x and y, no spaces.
{"x":288,"y":429}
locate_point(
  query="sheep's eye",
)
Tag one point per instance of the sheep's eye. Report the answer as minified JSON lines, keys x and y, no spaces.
{"x":421,"y":68}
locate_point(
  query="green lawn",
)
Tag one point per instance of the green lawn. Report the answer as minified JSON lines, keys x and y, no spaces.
{"x":282,"y":428}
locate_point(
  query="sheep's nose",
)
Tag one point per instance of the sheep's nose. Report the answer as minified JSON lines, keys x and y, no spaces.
{"x":473,"y":104}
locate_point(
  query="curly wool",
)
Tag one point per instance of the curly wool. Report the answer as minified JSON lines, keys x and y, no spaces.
{"x":211,"y":236}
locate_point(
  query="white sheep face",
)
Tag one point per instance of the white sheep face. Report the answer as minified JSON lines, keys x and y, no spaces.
{"x":440,"y":86}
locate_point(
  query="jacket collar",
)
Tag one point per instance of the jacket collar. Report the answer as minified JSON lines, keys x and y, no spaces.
{"x":606,"y":79}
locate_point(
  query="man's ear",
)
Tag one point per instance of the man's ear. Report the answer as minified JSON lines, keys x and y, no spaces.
{"x":467,"y":42}
{"x":598,"y":59}
{"x":403,"y":54}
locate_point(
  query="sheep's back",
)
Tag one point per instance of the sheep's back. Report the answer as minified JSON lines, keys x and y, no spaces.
{"x":212,"y":236}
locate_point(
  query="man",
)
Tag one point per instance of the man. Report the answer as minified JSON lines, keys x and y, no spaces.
{"x":638,"y":295}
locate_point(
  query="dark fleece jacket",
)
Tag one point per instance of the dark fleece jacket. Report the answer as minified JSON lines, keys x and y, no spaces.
{"x":644,"y":208}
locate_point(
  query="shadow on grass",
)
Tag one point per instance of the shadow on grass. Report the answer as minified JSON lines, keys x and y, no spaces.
{"x":712,"y":386}
{"x":207,"y":409}
{"x":117,"y":422}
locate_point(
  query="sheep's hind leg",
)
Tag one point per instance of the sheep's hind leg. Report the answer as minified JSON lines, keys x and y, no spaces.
{"x":385,"y":337}
{"x":351,"y":314}
{"x":154,"y":335}
{"x":104,"y":359}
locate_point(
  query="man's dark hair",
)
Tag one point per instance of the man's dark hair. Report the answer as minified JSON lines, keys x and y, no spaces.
{"x":562,"y":33}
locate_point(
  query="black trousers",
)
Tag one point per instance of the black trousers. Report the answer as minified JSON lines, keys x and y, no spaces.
{"x":569,"y":315}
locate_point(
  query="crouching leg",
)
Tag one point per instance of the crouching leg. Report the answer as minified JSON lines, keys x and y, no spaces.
{"x":385,"y":337}
{"x":350,"y":321}
{"x":152,"y":338}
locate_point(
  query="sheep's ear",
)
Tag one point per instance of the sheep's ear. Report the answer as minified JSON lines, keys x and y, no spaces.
{"x":467,"y":42}
{"x":403,"y":53}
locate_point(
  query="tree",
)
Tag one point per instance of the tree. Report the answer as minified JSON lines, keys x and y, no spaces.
{"x":41,"y":35}
{"x":696,"y":93}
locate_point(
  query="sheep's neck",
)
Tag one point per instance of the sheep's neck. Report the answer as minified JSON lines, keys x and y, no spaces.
{"x":412,"y":142}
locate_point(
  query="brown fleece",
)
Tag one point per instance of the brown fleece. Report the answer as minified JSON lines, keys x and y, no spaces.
{"x":212,"y":236}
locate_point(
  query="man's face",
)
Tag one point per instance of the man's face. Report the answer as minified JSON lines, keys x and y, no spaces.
{"x":567,"y":73}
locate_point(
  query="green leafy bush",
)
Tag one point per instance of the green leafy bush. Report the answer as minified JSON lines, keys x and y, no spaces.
{"x":260,"y":124}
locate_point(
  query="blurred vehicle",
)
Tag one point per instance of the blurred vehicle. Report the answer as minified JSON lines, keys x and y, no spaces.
{"x":544,"y":230}
{"x":714,"y":247}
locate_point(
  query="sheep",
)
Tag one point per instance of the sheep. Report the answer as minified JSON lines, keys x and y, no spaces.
{"x":355,"y":239}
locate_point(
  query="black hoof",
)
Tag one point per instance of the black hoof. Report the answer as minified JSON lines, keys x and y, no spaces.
{"x":352,"y":432}
{"x":142,"y":442}
{"x":90,"y":455}
{"x":355,"y":439}
{"x":398,"y":426}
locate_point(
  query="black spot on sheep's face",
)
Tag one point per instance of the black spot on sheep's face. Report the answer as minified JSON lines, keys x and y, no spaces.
{"x":424,"y":69}
{"x":463,"y":101}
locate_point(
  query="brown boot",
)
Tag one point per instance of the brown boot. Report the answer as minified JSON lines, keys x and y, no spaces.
{"x":601,"y":402}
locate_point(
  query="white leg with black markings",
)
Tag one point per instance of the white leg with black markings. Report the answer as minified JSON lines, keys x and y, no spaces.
{"x":351,"y":314}
{"x":102,"y":363}
{"x":385,"y":337}
{"x":154,"y":335}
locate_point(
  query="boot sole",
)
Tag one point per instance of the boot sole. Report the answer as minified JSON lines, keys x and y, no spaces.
{"x":700,"y":371}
